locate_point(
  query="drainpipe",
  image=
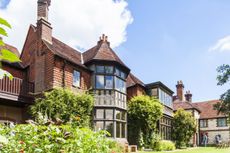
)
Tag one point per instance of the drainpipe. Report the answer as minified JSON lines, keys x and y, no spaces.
{"x":63,"y":74}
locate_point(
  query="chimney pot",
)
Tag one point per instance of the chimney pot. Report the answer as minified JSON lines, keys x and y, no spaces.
{"x":188,"y":96}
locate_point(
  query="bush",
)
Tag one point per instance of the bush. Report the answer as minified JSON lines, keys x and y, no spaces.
{"x":143,"y":115}
{"x":184,"y":126}
{"x":63,"y":104}
{"x":55,"y":139}
{"x":164,"y":145}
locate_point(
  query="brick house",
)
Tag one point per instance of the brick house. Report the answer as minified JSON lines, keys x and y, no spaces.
{"x":48,"y":63}
{"x":208,"y":120}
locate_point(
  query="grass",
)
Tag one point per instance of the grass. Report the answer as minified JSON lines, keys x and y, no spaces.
{"x":196,"y":150}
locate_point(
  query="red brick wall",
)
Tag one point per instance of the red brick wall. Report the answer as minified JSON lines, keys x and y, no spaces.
{"x":49,"y":66}
{"x":135,"y":91}
{"x":14,"y":71}
{"x":69,"y":68}
{"x":29,"y":52}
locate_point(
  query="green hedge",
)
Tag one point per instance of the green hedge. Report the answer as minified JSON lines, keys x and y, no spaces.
{"x":54,"y":139}
{"x":164,"y":145}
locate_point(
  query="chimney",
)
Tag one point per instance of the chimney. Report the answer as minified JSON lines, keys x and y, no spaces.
{"x":102,"y":39}
{"x":43,"y":25}
{"x":180,"y":90}
{"x":188,"y":96}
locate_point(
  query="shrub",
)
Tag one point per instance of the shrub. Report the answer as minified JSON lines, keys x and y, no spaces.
{"x":55,"y":139}
{"x":164,"y":145}
{"x":143,"y":114}
{"x":64,"y":105}
{"x":184,"y":126}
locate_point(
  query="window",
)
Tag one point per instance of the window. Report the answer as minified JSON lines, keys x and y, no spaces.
{"x":154,"y":92}
{"x":100,"y":82}
{"x":120,"y":85}
{"x":165,"y":98}
{"x":119,"y":73}
{"x":221,"y":122}
{"x":203,"y":123}
{"x":99,"y":125}
{"x":109,"y":127}
{"x":109,"y":114}
{"x":100,"y":69}
{"x":118,"y":130}
{"x":108,"y":82}
{"x":100,"y":113}
{"x":109,"y":69}
{"x":76,"y":78}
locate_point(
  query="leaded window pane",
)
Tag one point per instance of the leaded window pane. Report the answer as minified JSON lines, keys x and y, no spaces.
{"x":118,"y":130}
{"x":109,"y":114}
{"x":100,"y":82}
{"x":109,"y":82}
{"x":109,"y":127}
{"x":99,"y":125}
{"x":109,"y":69}
{"x":100,"y":69}
{"x":123,"y":130}
{"x":100,"y":113}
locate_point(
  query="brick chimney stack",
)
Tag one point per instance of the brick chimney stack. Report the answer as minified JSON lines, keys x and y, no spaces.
{"x":102,"y":39}
{"x":180,"y":90}
{"x":188,"y":96}
{"x":43,"y":25}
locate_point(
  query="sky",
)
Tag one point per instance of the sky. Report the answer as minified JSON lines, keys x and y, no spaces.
{"x":159,"y":40}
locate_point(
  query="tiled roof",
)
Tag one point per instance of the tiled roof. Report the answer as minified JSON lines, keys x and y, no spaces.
{"x":61,"y":49}
{"x":207,"y":110}
{"x":133,"y":80}
{"x":12,"y":49}
{"x":103,"y":52}
{"x":185,"y":105}
{"x":16,"y":52}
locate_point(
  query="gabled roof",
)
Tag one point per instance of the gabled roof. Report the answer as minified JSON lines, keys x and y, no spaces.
{"x":133,"y":80}
{"x":103,"y":52}
{"x":185,"y":105}
{"x":207,"y":110}
{"x":63,"y":50}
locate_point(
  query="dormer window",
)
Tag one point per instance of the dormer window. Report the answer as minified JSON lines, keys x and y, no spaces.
{"x":76,"y":78}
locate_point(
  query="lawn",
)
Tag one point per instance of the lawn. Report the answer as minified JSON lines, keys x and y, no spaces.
{"x":197,"y":150}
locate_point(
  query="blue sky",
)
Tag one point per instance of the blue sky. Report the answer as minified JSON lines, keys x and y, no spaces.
{"x":167,"y":40}
{"x":170,"y":41}
{"x":3,"y":3}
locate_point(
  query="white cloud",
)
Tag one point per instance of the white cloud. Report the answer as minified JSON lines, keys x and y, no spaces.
{"x":78,"y":23}
{"x":222,"y":45}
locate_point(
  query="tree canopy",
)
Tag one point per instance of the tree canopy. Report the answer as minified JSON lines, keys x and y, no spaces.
{"x":223,"y":78}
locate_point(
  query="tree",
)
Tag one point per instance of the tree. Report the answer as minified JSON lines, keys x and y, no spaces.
{"x":143,"y":114}
{"x":184,"y":126}
{"x":5,"y":55}
{"x":64,"y":105}
{"x":224,"y":105}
